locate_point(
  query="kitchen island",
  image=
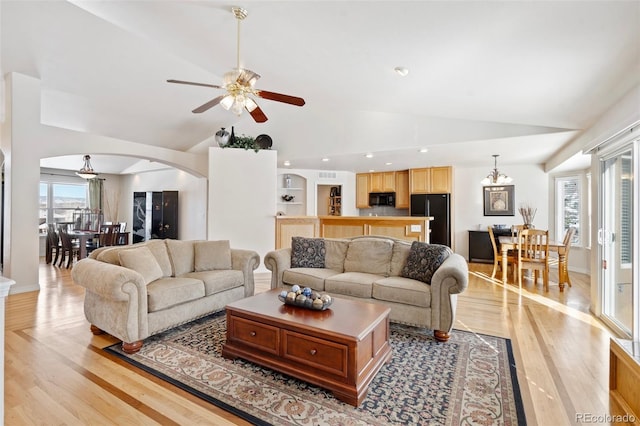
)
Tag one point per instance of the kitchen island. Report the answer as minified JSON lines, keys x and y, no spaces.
{"x":410,"y":228}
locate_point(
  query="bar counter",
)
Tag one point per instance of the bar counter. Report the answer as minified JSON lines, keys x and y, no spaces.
{"x":410,"y":228}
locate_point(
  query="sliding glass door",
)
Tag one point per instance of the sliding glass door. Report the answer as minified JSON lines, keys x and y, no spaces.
{"x":616,"y":238}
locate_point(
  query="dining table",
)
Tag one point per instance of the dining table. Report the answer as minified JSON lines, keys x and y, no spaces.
{"x":82,"y":237}
{"x":511,"y":243}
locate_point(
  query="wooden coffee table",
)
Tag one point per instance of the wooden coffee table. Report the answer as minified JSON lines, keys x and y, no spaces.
{"x":340,"y":349}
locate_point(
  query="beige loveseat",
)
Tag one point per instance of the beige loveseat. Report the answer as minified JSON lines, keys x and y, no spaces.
{"x":418,"y":281}
{"x":133,"y":292}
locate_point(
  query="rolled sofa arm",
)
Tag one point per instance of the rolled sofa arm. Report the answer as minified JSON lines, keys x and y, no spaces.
{"x":115,"y":299}
{"x":277,"y":261}
{"x":108,"y":280}
{"x":246,"y":261}
{"x":450,"y":279}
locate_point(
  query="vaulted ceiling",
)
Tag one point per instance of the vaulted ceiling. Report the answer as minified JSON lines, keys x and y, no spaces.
{"x":515,"y":78}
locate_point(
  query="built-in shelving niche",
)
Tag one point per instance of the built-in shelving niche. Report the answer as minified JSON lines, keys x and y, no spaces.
{"x":296,"y":186}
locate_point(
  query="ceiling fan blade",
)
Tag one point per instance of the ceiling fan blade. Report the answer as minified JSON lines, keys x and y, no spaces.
{"x":194,"y":84}
{"x":272,"y":96}
{"x":258,"y":115}
{"x":210,"y":104}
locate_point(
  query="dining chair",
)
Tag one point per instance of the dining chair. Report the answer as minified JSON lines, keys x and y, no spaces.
{"x":53,"y":245}
{"x":69,"y":249}
{"x":497,"y":256}
{"x":563,"y":265}
{"x":533,"y":254}
{"x":108,"y":235}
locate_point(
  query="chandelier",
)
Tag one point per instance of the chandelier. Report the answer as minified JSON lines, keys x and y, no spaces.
{"x":495,"y":177}
{"x":87,"y":171}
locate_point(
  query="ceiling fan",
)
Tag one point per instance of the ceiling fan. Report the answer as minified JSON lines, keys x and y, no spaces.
{"x":239,"y":86}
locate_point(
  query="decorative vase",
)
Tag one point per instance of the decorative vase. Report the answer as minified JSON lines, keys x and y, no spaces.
{"x":287,"y":181}
{"x":528,"y":226}
{"x":232,"y":138}
{"x":222,"y":137}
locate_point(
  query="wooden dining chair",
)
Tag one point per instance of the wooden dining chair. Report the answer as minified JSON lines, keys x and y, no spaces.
{"x":108,"y":235}
{"x":533,"y":254}
{"x":563,"y":264}
{"x":497,"y":256}
{"x":69,"y":250}
{"x":53,"y":245}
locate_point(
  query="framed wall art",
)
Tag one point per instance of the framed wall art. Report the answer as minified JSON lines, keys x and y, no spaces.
{"x":498,"y":200}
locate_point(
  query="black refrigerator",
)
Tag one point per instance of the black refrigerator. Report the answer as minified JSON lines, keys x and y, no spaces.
{"x":438,"y":206}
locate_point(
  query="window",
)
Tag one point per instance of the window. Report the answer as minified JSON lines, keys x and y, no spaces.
{"x":568,"y":207}
{"x":58,"y":201}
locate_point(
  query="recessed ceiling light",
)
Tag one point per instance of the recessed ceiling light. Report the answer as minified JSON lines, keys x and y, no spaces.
{"x":325,"y":159}
{"x":423,"y":150}
{"x":401,"y":71}
{"x":287,"y":162}
{"x":388,"y":164}
{"x":369,"y":155}
{"x":371,"y":170}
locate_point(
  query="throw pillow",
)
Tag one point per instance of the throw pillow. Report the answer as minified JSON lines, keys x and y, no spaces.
{"x":210,"y":255}
{"x":370,"y":255}
{"x":182,"y":256}
{"x":423,"y":261}
{"x":307,"y":252}
{"x":142,"y":261}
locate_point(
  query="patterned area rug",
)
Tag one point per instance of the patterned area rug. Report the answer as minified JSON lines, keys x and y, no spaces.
{"x":469,"y":380}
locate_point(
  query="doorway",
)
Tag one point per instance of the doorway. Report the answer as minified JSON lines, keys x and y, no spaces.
{"x":616,"y":237}
{"x":329,"y":201}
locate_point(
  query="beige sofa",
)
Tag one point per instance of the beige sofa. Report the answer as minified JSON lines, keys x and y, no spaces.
{"x":418,"y":281}
{"x":133,"y":292}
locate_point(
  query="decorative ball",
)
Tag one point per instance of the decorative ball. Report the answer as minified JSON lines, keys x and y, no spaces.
{"x":326,"y":298}
{"x":307,"y":291}
{"x":308,"y":303}
{"x":315,"y":295}
{"x":283,"y":294}
{"x":317,"y":304}
{"x":301,"y":298}
{"x":295,"y":288}
{"x":291,"y":296}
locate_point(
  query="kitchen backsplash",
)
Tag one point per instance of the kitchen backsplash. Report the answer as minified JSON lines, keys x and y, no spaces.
{"x":383,"y":211}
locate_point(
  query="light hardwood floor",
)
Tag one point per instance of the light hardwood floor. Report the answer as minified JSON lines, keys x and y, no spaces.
{"x":56,"y":372}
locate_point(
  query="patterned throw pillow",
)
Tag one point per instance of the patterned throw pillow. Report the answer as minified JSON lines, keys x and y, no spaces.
{"x":307,"y":252}
{"x":423,"y":261}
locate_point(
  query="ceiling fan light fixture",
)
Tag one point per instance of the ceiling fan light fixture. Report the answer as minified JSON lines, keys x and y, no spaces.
{"x":87,"y":172}
{"x":227,"y":102}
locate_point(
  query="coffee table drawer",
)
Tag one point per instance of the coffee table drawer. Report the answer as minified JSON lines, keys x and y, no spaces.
{"x":320,"y":354}
{"x":251,"y":333}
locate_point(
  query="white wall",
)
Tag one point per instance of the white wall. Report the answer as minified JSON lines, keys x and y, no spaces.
{"x":242,"y":199}
{"x":531,"y":186}
{"x":192,"y":199}
{"x":327,"y":177}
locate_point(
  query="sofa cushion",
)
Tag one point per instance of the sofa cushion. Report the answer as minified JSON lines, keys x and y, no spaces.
{"x":110,"y":255}
{"x":357,"y":284}
{"x":218,"y":280}
{"x":336,"y":251}
{"x":370,"y":255}
{"x":307,"y":252}
{"x":210,"y":255}
{"x":167,"y":292}
{"x":423,"y":261}
{"x":141,"y":260}
{"x":181,"y":254}
{"x":159,"y":250}
{"x":399,"y":258}
{"x":402,"y":290}
{"x":308,"y":277}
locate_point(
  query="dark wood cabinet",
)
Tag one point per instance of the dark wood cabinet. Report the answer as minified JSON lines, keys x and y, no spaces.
{"x":155,"y":215}
{"x":480,"y":248}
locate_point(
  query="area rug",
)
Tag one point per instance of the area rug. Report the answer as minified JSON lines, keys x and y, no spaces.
{"x":471,"y":379}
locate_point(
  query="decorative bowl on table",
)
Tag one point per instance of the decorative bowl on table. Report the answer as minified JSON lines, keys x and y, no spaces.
{"x":305,"y":298}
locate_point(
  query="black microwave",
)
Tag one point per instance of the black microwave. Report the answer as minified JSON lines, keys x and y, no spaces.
{"x":382,"y":199}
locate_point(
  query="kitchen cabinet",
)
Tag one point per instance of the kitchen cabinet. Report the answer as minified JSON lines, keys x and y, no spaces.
{"x":382,"y":182}
{"x":362,"y":190}
{"x":431,"y":180}
{"x":402,"y":189}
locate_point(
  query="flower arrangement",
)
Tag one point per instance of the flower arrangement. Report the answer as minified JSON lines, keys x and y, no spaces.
{"x":528,"y":212}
